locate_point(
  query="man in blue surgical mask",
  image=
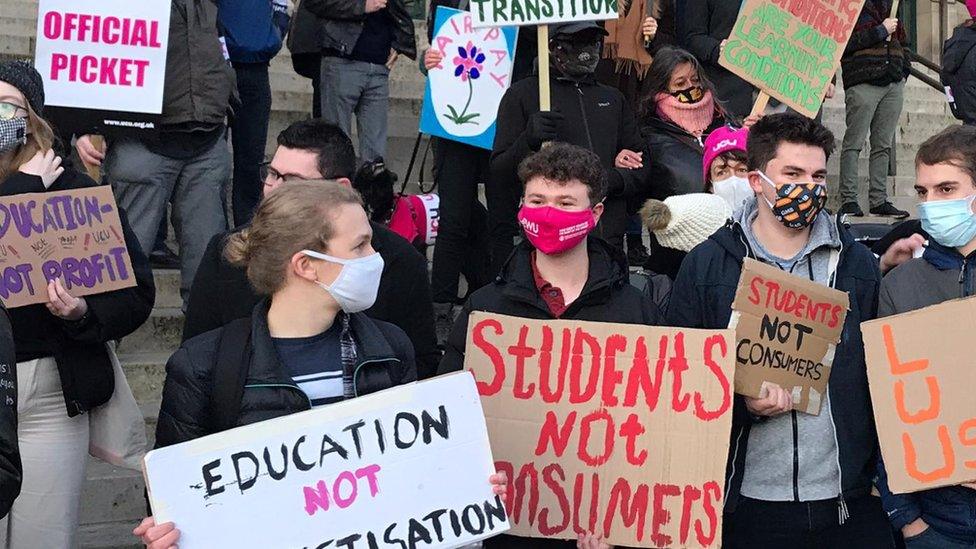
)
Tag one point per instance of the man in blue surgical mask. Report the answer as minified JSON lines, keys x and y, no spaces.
{"x":946,"y":185}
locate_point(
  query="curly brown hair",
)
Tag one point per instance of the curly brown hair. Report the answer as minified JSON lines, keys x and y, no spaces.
{"x":562,"y":162}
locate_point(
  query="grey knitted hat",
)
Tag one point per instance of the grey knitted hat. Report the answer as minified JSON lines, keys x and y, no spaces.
{"x":23,"y":76}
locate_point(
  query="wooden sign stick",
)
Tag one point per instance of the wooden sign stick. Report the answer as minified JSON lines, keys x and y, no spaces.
{"x":759,"y":106}
{"x":894,"y":13}
{"x":544,"y":97}
{"x":95,"y":172}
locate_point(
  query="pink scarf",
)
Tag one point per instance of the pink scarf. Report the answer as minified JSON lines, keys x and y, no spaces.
{"x":694,"y":118}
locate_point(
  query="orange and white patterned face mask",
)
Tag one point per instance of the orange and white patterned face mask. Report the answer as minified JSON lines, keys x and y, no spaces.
{"x":797,"y":204}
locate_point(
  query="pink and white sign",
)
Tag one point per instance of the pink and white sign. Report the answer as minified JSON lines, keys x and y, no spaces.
{"x":105,"y":55}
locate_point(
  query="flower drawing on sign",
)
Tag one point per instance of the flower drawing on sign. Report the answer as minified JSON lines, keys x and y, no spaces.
{"x":468,"y":66}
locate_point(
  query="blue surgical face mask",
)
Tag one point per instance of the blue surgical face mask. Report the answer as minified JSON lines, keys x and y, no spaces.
{"x":950,"y":222}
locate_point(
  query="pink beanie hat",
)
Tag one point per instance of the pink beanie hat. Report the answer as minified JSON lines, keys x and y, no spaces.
{"x":723,"y":140}
{"x":971,"y":5}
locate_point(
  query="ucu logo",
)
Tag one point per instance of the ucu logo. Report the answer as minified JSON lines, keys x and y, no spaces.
{"x":727,"y":143}
{"x":529,"y":226}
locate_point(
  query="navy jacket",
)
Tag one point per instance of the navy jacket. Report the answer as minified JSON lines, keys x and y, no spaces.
{"x":253,"y":29}
{"x":940,"y":275}
{"x":702,"y":298}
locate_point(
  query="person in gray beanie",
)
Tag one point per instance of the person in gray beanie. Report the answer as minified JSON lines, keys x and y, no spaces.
{"x":58,"y":356}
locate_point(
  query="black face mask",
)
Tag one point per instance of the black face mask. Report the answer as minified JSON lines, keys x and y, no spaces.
{"x":690,"y":95}
{"x":574,"y":58}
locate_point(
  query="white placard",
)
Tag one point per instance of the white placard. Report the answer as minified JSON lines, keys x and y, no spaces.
{"x":409,"y":462}
{"x":103,"y":54}
{"x":503,"y":13}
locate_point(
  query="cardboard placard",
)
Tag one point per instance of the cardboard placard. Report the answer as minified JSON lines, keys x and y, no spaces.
{"x":791,"y":49}
{"x":786,"y":329}
{"x":72,"y":235}
{"x":463,"y":92}
{"x":504,"y":13}
{"x":921,"y":374}
{"x":103,"y":63}
{"x":622,"y":430}
{"x":402,"y":466}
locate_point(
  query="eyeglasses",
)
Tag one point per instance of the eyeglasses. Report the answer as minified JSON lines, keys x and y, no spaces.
{"x":273,"y":176}
{"x":8,"y":111}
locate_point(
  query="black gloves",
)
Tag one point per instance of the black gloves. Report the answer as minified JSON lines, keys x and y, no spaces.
{"x":542,"y":127}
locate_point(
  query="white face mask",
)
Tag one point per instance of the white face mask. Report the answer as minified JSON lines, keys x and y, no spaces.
{"x":735,"y":190}
{"x":358,"y":282}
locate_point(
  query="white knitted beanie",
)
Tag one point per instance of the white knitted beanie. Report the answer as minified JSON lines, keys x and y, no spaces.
{"x":685,"y":221}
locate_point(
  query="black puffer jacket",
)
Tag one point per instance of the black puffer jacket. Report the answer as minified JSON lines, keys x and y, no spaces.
{"x":342,"y":22}
{"x":606,"y":297}
{"x":87,"y":378}
{"x":11,"y":471}
{"x":959,"y":72}
{"x":385,"y":359}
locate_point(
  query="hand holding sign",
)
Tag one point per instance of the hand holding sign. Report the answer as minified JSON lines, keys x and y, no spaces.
{"x":153,"y":536}
{"x":775,"y":402}
{"x":62,"y":304}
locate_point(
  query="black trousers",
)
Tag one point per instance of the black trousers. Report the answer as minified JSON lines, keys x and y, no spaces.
{"x":249,"y":134}
{"x":810,"y":525}
{"x":462,"y":241}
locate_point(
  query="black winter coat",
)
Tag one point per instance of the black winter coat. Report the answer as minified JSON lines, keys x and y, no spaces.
{"x":959,"y":72}
{"x":706,"y":24}
{"x":597,"y":118}
{"x":702,"y":298}
{"x":221,"y":293}
{"x":606,"y":297}
{"x":11,"y":471}
{"x":87,"y":378}
{"x":341,"y":22}
{"x":385,"y":360}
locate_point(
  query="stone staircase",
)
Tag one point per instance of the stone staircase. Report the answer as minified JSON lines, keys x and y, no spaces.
{"x":113,"y":502}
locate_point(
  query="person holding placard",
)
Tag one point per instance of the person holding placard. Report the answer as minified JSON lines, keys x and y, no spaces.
{"x":548,"y":276}
{"x":307,"y":344}
{"x":796,"y":480}
{"x":707,"y":26}
{"x":185,"y":162}
{"x":875,"y":66}
{"x":63,"y":366}
{"x":945,"y":169}
{"x":584,"y":112}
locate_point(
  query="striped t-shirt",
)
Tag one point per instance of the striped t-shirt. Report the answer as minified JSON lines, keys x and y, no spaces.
{"x":315,"y":364}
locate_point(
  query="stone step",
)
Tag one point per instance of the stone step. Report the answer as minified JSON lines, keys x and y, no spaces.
{"x":146,"y":373}
{"x":108,"y":535}
{"x":167,"y":287}
{"x":161,"y":333}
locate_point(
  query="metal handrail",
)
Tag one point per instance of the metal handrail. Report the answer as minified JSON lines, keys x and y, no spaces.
{"x":928,"y":63}
{"x":926,"y":79}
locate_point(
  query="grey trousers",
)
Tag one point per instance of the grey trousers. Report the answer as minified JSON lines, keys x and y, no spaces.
{"x":364,"y":89}
{"x":874,"y":109}
{"x":145,"y":182}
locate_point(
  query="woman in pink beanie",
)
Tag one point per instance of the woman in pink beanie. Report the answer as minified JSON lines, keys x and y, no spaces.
{"x":724,"y":165}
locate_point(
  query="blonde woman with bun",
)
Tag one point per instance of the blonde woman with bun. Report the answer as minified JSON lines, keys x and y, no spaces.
{"x":308,"y":343}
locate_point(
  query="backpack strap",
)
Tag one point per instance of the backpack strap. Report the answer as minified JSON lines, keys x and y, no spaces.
{"x":230,"y":374}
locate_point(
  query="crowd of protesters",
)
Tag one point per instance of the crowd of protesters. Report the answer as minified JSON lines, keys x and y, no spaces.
{"x":303,"y":298}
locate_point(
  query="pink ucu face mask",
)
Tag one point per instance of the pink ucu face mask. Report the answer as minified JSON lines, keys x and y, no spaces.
{"x":553,"y":231}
